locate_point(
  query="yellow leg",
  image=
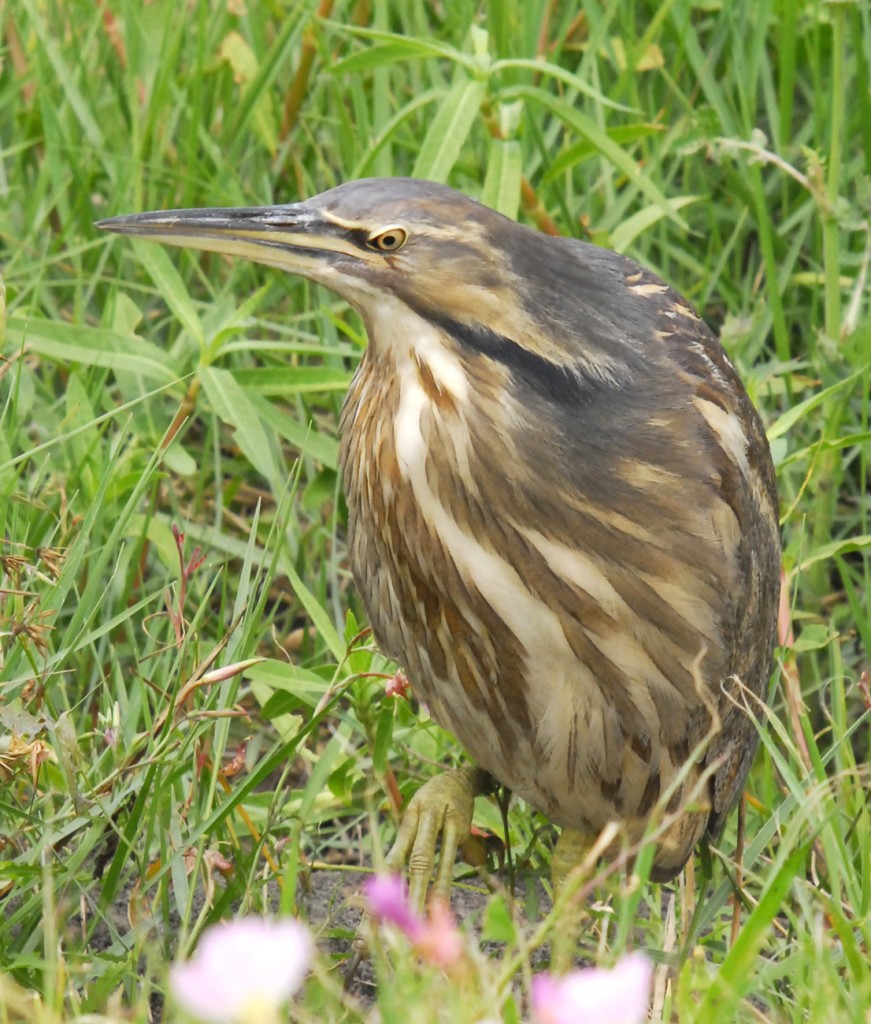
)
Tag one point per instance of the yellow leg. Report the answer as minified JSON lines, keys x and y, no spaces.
{"x":571,"y":850}
{"x":441,"y":808}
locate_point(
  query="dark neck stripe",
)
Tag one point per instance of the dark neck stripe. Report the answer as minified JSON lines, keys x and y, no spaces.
{"x":556,"y":382}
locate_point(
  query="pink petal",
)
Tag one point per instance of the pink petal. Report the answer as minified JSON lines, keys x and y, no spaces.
{"x":245,"y":963}
{"x":388,"y":901}
{"x":439,"y":941}
{"x":594,"y":995}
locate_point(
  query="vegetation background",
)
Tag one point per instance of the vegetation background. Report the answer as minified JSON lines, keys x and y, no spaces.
{"x":170,"y":504}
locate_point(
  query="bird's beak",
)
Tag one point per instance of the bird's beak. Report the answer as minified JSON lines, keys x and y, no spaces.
{"x":294,"y":237}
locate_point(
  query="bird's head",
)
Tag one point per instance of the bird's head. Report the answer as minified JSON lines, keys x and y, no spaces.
{"x":367,"y":240}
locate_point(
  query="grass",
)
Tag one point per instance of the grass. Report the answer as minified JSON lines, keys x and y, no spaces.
{"x":171,"y":508}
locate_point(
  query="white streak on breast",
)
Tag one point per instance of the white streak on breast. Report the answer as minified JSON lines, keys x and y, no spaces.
{"x":405,"y":343}
{"x":409,"y":443}
{"x":444,"y":366}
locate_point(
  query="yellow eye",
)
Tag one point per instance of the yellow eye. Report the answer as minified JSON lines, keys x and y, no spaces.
{"x":388,"y":239}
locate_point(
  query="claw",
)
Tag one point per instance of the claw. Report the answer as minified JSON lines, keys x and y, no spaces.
{"x":442,"y":807}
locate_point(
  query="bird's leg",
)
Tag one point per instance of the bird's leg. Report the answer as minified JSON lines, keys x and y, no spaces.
{"x":571,"y":850}
{"x":442,"y":807}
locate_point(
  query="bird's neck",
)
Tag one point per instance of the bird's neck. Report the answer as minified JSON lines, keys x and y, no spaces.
{"x":412,"y":390}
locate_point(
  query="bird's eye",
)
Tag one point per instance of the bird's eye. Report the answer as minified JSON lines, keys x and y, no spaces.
{"x":387,"y":239}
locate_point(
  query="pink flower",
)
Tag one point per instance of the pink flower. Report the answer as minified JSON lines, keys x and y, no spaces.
{"x":594,"y":995}
{"x":243,"y":971}
{"x":397,"y":685}
{"x":440,"y":943}
{"x":436,"y":938}
{"x":388,"y":901}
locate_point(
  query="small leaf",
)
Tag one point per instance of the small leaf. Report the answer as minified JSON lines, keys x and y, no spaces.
{"x":578,"y":152}
{"x":233,"y":406}
{"x":170,"y":285}
{"x":835,"y":548}
{"x":239,"y":55}
{"x":278,"y":704}
{"x":504,"y":171}
{"x":298,"y":685}
{"x":813,"y":637}
{"x":303,"y":436}
{"x":242,"y":59}
{"x":159,"y":534}
{"x":381,"y":54}
{"x":797,"y":412}
{"x":352,"y":627}
{"x":322,"y":488}
{"x":628,"y":230}
{"x":126,"y":315}
{"x":449,"y":130}
{"x":284,"y":677}
{"x":381,"y":748}
{"x":498,"y":923}
{"x":179,"y":461}
{"x":412,"y":47}
{"x":650,"y":60}
{"x":93,"y":346}
{"x":324,"y":625}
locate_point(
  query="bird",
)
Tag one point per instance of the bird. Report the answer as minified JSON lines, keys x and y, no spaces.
{"x":562,"y":511}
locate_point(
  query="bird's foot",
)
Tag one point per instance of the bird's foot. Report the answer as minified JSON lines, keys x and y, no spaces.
{"x":440,"y":810}
{"x":442,"y":807}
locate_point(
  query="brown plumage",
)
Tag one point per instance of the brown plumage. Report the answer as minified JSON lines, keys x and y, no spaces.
{"x":562,"y":508}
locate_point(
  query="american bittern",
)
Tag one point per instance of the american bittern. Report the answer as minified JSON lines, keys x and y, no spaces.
{"x":562,"y":507}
